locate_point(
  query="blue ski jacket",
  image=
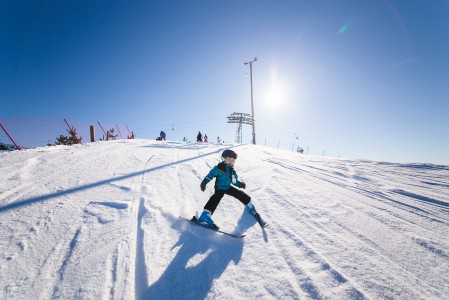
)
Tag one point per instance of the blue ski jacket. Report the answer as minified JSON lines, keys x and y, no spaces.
{"x":225,"y":176}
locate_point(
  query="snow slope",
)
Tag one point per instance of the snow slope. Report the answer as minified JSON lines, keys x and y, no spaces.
{"x":101,"y":221}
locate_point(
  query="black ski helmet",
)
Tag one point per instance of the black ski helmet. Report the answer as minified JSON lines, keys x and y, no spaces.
{"x":229,"y":153}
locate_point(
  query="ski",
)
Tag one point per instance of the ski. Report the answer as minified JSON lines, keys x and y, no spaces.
{"x":261,"y":222}
{"x":195,"y":221}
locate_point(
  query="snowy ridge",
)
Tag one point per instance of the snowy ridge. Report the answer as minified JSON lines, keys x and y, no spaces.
{"x":101,"y":221}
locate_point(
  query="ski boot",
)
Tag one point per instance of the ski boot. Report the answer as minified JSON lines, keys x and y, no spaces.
{"x":206,"y":219}
{"x":259,"y":219}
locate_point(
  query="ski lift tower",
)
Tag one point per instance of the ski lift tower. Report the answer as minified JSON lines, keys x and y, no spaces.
{"x":252,"y":105}
{"x":240,"y":118}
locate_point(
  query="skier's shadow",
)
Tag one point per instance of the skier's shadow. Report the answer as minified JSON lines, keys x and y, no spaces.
{"x":187,"y":278}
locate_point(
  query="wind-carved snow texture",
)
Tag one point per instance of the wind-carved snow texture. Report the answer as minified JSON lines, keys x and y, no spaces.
{"x":101,"y":221}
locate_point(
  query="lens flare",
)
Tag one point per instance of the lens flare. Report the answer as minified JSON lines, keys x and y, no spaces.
{"x":344,"y":27}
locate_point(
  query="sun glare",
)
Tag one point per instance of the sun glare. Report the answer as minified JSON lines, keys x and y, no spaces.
{"x":275,"y":93}
{"x":274,"y":98}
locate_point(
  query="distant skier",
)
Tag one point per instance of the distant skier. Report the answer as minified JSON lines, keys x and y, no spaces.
{"x":184,"y":139}
{"x":162,"y":136}
{"x":205,"y":138}
{"x":225,"y":175}
{"x":218,"y":140}
{"x":199,"y":137}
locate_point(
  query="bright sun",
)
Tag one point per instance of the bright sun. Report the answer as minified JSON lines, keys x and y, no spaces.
{"x":275,"y":94}
{"x":274,"y":98}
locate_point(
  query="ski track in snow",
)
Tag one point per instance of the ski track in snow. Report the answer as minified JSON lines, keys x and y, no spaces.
{"x":100,"y":221}
{"x":374,"y":248}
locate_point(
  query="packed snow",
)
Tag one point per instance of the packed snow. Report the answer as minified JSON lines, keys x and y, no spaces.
{"x":101,"y":221}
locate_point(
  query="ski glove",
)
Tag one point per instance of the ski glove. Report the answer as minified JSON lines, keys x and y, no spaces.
{"x":242,"y":185}
{"x":203,"y":185}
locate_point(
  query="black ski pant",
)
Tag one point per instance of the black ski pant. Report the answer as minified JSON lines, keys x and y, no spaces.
{"x":215,"y":199}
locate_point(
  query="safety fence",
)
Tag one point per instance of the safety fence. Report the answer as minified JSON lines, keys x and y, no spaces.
{"x":30,"y":133}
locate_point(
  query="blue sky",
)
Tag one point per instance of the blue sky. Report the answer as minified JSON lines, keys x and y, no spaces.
{"x":365,"y":79}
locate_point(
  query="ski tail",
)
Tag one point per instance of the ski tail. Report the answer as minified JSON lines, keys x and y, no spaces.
{"x":194,"y":220}
{"x":212,"y":226}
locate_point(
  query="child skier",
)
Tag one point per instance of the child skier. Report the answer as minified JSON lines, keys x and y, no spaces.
{"x":225,"y":176}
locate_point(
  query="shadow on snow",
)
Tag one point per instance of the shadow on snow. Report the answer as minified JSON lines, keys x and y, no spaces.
{"x":203,"y":257}
{"x":33,"y":200}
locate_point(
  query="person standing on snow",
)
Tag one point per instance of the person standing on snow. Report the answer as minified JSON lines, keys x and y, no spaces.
{"x":205,"y":138}
{"x":225,"y":176}
{"x":162,"y":135}
{"x":199,"y":137}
